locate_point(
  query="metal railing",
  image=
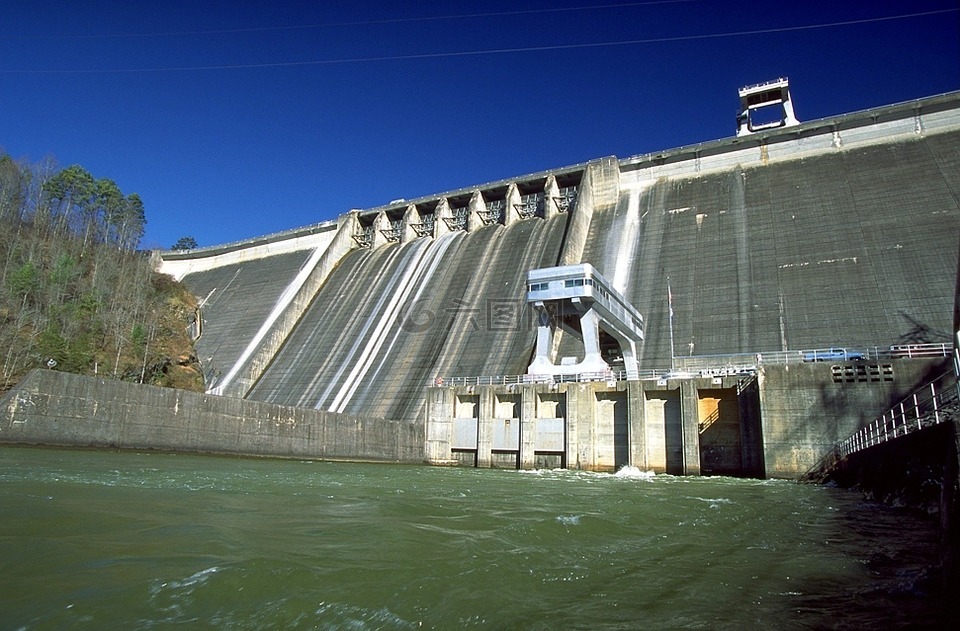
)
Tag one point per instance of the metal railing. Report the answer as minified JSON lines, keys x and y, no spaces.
{"x":705,"y":424}
{"x":492,"y":212}
{"x":364,"y":236}
{"x":507,"y":380}
{"x":821,"y":355}
{"x":847,"y":353}
{"x":530,"y":206}
{"x":606,"y":375}
{"x":567,"y":199}
{"x":424,"y":229}
{"x":715,"y":365}
{"x":931,"y":405}
{"x":458,"y":218}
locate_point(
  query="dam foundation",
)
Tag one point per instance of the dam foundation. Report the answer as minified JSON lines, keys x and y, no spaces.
{"x":774,"y":420}
{"x":703,"y":426}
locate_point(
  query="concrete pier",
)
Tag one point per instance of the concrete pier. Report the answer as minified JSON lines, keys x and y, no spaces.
{"x":598,"y":426}
{"x":776,"y":423}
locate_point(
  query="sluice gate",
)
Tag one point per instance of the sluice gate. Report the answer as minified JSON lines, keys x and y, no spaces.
{"x":699,"y":426}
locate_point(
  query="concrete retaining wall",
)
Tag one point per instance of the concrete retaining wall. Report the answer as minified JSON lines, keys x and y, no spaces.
{"x":808,"y":408}
{"x":55,"y":408}
{"x":779,"y":424}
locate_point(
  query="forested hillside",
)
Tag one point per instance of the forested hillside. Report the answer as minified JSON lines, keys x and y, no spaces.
{"x":75,"y":293}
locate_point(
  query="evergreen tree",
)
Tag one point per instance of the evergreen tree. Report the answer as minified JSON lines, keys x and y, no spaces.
{"x":185,"y":243}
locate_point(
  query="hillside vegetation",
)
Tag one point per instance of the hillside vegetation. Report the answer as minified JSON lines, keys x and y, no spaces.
{"x":75,"y":293}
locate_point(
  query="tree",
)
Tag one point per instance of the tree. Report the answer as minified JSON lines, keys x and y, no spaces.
{"x":74,"y":289}
{"x":185,"y":243}
{"x":131,"y":224}
{"x":13,"y":185}
{"x":71,"y":188}
{"x":106,"y":211}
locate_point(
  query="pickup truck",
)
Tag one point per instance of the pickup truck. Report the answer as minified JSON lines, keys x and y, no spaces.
{"x":833,"y":355}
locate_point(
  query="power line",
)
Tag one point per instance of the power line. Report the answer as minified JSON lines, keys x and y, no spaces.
{"x":493,"y":51}
{"x":301,"y":27}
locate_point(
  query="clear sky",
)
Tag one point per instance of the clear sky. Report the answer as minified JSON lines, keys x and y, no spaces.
{"x":237,"y":119}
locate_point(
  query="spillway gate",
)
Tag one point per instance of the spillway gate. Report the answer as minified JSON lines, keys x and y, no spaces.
{"x":690,"y":426}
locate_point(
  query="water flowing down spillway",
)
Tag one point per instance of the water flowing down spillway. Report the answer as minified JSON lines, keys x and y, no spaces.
{"x":389,"y":320}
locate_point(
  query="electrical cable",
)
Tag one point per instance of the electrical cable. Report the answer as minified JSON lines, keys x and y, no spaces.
{"x":493,"y":51}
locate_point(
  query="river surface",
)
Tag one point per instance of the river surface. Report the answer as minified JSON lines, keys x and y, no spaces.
{"x":106,"y":540}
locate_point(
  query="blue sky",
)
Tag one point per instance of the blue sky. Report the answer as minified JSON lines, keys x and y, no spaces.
{"x":236,"y":119}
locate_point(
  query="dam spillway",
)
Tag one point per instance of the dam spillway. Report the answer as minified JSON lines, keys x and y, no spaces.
{"x":839,"y":232}
{"x":389,"y":320}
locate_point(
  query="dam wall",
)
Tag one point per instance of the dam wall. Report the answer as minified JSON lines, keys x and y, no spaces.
{"x":853,"y":246}
{"x":55,"y":408}
{"x":179,"y":263}
{"x":363,"y":321}
{"x":840,"y":232}
{"x":391,"y":319}
{"x":806,"y":409}
{"x":677,"y":426}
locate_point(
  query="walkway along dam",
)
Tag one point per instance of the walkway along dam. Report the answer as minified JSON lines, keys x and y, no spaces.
{"x":786,"y":286}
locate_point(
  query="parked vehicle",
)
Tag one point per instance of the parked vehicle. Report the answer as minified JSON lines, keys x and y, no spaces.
{"x":833,"y":355}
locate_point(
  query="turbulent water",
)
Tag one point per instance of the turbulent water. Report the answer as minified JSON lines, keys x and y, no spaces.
{"x":102,"y":540}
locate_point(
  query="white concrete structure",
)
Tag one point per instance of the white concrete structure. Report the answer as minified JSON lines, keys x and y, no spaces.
{"x":580,"y":291}
{"x":771,"y":94}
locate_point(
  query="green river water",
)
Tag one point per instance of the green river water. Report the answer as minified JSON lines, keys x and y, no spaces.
{"x":106,"y":540}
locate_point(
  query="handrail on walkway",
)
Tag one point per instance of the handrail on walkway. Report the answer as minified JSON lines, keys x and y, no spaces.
{"x":606,"y":375}
{"x":931,"y":405}
{"x":717,"y":365}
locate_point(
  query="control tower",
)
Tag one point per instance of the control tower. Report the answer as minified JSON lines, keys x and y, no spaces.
{"x":579,"y":299}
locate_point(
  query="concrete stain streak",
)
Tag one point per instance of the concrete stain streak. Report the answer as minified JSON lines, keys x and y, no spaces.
{"x":628,"y":243}
{"x":845,"y":259}
{"x":417,"y":277}
{"x":282,"y":303}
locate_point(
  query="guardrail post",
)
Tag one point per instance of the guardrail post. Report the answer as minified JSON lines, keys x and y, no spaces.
{"x":936,"y":408}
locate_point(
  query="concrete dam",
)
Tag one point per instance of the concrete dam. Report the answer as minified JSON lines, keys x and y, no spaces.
{"x":745,"y":257}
